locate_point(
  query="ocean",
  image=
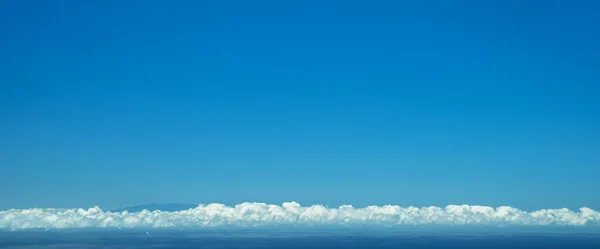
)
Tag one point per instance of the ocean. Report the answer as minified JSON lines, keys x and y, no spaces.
{"x":99,"y":239}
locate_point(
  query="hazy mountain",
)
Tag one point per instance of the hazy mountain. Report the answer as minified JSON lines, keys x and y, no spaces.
{"x":152,"y":207}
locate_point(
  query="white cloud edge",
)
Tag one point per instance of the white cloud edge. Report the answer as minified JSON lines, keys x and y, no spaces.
{"x":291,"y":213}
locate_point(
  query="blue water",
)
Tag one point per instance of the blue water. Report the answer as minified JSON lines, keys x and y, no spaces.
{"x":277,"y":240}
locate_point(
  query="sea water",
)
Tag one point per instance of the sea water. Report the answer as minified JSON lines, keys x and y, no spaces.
{"x":252,"y":239}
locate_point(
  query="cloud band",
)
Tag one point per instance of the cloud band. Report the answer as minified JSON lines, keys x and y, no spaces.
{"x":292,"y":213}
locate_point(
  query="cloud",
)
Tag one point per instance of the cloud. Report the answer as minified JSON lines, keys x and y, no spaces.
{"x":292,"y":213}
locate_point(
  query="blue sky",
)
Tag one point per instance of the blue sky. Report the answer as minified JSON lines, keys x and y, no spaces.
{"x":116,"y":103}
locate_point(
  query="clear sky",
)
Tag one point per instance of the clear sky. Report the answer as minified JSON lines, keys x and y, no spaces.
{"x":117,"y":103}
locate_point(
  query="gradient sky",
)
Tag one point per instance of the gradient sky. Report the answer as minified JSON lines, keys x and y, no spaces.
{"x":117,"y":103}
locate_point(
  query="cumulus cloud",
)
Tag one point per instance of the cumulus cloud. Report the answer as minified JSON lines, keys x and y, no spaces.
{"x":292,"y":213}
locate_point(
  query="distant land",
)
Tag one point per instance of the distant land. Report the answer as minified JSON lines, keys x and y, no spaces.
{"x":170,"y":207}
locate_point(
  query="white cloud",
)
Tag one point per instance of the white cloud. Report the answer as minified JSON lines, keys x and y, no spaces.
{"x":292,"y":213}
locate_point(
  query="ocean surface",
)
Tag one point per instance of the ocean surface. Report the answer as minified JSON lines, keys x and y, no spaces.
{"x":293,"y":239}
